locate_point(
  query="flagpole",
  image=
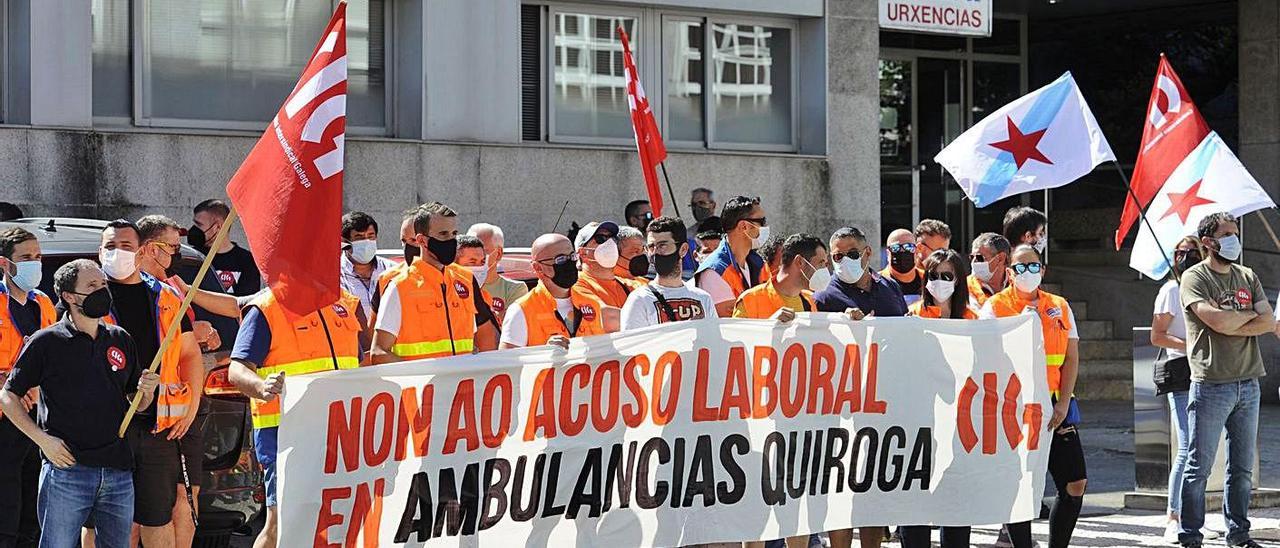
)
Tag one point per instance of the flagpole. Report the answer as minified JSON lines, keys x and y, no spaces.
{"x":1142,"y":212}
{"x":674,"y":202}
{"x":176,"y":324}
{"x":1267,"y":225}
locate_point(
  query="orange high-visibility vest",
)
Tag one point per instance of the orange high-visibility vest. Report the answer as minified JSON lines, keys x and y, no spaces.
{"x":437,"y":312}
{"x":977,"y":295}
{"x":173,"y":396}
{"x":761,"y":301}
{"x":1055,"y":322}
{"x":299,"y":346}
{"x":919,"y":310}
{"x":542,"y":321}
{"x":610,"y":292}
{"x":11,"y":340}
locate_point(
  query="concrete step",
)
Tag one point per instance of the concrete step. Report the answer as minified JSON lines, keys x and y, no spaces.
{"x":1054,"y":288}
{"x":1087,"y":257}
{"x":1092,"y":330}
{"x":1106,"y":349}
{"x":1105,"y":380}
{"x":1080,"y":309}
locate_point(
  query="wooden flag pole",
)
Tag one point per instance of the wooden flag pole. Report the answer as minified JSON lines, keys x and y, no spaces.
{"x":1270,"y":231}
{"x":171,"y":331}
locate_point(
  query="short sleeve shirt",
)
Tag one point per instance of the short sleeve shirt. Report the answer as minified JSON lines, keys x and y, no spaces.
{"x":1169,"y":301}
{"x":84,"y":387}
{"x":642,"y":308}
{"x":1215,"y":357}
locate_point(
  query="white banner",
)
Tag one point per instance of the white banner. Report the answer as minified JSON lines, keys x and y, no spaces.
{"x":963,"y":17}
{"x":679,"y":434}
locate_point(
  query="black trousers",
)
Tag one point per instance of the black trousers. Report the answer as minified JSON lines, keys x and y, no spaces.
{"x":917,"y":536}
{"x":19,"y":479}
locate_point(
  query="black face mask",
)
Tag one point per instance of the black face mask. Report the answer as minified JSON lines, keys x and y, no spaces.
{"x":566,"y":275}
{"x":411,"y":252}
{"x":902,"y":262}
{"x":96,"y":304}
{"x":444,"y":250}
{"x":639,"y":265}
{"x":1189,"y":260}
{"x":701,"y":213}
{"x":196,"y":237}
{"x":664,"y":265}
{"x":175,"y":261}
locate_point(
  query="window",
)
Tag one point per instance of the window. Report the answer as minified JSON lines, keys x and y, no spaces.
{"x":714,"y":82}
{"x":589,"y":84}
{"x":682,"y":46}
{"x":751,"y":85}
{"x":227,"y":63}
{"x":112,"y":72}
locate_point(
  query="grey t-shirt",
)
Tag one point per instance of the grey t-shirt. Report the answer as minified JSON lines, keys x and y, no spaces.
{"x":1214,"y":357}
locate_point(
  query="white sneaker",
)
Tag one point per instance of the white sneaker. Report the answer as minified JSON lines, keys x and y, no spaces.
{"x":1171,"y":531}
{"x":1209,"y":534}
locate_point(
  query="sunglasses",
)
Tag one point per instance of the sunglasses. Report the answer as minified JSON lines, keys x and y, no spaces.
{"x":1023,"y":268}
{"x":854,"y":254}
{"x":944,"y":276}
{"x":902,"y":248}
{"x":558,"y":260}
{"x":758,"y":221}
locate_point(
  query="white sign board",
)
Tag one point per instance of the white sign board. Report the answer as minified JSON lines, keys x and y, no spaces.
{"x":962,"y":17}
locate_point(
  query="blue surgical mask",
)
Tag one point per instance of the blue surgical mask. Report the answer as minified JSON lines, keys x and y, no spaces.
{"x":1229,"y":248}
{"x":28,"y":275}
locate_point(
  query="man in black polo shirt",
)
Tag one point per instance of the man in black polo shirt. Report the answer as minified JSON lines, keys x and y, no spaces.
{"x":86,"y":371}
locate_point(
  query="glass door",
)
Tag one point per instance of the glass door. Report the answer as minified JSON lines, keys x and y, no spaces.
{"x":899,"y":178}
{"x":940,"y":106}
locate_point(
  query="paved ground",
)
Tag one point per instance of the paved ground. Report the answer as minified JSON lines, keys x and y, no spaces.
{"x":1108,"y":439}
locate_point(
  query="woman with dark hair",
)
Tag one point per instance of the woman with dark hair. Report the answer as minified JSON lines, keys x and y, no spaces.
{"x":945,"y":293}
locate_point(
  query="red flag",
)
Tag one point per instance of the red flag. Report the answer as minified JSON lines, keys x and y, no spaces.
{"x":648,"y":139}
{"x":1172,"y":129}
{"x":288,"y":191}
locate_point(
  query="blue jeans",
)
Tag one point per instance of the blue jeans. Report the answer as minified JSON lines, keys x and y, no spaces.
{"x":1211,"y":408}
{"x":1178,"y":418}
{"x":67,"y":497}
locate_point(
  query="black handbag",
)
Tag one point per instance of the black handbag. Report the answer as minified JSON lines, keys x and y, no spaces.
{"x":1171,"y":374}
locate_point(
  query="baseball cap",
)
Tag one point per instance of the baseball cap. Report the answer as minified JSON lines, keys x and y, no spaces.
{"x":607,"y":228}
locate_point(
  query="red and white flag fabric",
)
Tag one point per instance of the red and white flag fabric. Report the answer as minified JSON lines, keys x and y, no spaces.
{"x":648,"y":140}
{"x":288,"y":191}
{"x":1172,"y":129}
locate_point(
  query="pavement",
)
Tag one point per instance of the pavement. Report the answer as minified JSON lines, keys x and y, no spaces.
{"x":1107,"y":434}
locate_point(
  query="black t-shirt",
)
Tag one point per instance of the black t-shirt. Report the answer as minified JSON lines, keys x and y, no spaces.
{"x":84,"y":388}
{"x":134,"y":308}
{"x":912,"y":287}
{"x":26,"y":317}
{"x":237,"y":272}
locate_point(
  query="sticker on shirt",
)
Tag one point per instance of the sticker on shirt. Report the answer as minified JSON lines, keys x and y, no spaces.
{"x":684,"y":308}
{"x":588,"y":313}
{"x":228,"y":279}
{"x":340,"y":310}
{"x":498,"y":305}
{"x":462,"y":290}
{"x":115,"y":358}
{"x":1239,"y":299}
{"x":1055,"y":313}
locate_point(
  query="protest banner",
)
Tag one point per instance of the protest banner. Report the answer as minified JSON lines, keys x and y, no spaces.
{"x":693,"y":432}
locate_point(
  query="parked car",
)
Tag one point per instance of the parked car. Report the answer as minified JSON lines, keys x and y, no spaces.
{"x":231,"y":491}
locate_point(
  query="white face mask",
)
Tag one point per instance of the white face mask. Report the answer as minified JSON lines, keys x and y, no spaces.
{"x":606,"y":254}
{"x":981,"y":271}
{"x":363,"y":251}
{"x":1027,"y":282}
{"x":1229,"y":247}
{"x":481,"y":273}
{"x":118,"y":264}
{"x":849,"y":270}
{"x":819,"y":280}
{"x":940,"y":289}
{"x":760,"y":238}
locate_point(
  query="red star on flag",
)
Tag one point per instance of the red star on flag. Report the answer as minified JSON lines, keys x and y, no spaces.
{"x":1023,"y":146}
{"x":1183,"y":202}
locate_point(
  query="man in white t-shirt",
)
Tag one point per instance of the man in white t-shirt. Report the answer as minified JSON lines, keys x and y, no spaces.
{"x":666,"y":298}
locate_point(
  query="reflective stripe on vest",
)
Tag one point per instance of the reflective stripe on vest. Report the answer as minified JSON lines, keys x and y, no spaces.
{"x":299,"y":346}
{"x":1056,"y":328}
{"x":433,"y":349}
{"x":437,"y":312}
{"x":173,"y":396}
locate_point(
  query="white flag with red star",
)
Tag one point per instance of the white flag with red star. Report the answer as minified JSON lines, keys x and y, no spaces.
{"x":1208,"y":181}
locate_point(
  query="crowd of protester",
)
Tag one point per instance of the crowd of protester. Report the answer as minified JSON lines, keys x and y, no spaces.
{"x":70,"y":371}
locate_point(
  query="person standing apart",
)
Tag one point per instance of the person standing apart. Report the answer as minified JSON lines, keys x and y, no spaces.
{"x":1226,"y":311}
{"x":87,"y":372}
